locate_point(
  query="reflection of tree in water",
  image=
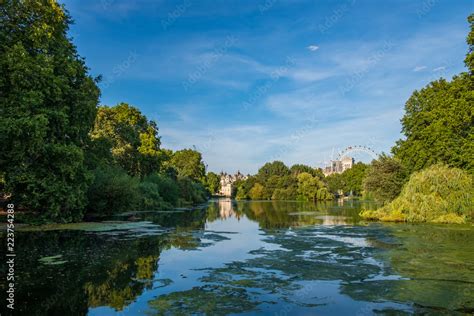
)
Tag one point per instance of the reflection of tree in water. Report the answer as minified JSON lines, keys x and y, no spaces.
{"x":100,"y":269}
{"x":284,"y":214}
{"x":438,"y":261}
{"x":122,"y":284}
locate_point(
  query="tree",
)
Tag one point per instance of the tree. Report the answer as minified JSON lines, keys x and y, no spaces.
{"x":352,"y":178}
{"x":188,"y":163}
{"x":275,"y":168}
{"x":213,"y":182}
{"x":299,"y":168}
{"x":438,"y":123}
{"x":112,"y":191}
{"x":48,"y":104}
{"x":385,"y":178}
{"x":334,"y":183}
{"x":469,"y":61}
{"x":308,"y":186}
{"x":437,"y":194}
{"x":134,"y":140}
{"x":257,"y":192}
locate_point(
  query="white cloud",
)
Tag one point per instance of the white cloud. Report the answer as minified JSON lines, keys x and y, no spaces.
{"x":439,"y":68}
{"x":313,"y":48}
{"x":419,"y":68}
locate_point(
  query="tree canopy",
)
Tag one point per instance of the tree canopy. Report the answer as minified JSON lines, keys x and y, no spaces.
{"x":188,"y":163}
{"x":385,"y":179}
{"x":133,"y":140}
{"x":48,"y":105}
{"x":439,"y":122}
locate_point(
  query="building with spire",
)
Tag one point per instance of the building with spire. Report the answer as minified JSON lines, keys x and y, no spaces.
{"x":227,"y":181}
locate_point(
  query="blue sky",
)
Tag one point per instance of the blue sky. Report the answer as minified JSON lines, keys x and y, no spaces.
{"x":246,"y":82}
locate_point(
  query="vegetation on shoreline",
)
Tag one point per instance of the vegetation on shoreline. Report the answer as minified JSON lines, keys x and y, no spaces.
{"x":438,"y":151}
{"x":275,"y":181}
{"x":67,"y":156}
{"x":438,"y":194}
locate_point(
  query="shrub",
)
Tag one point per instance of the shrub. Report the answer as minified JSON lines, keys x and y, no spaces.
{"x":384,"y":179}
{"x":150,"y":198}
{"x":112,"y":191}
{"x":285,"y":194}
{"x":257,"y":192}
{"x":191,"y":192}
{"x":324,"y":194}
{"x":437,"y":194}
{"x":167,"y":188}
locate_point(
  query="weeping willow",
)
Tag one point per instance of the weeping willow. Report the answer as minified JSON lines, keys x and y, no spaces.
{"x":438,"y":194}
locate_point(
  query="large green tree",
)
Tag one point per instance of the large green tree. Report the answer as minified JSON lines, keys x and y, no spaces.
{"x":213,"y":182}
{"x":133,"y":140}
{"x":438,"y":123}
{"x":275,"y":168}
{"x":47,"y":108}
{"x":385,"y":179}
{"x":352,"y":178}
{"x":188,"y":163}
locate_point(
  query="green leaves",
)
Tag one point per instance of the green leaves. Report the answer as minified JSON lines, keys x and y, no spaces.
{"x":134,"y":140}
{"x":188,"y":163}
{"x":439,"y":126}
{"x":385,"y":179}
{"x":48,"y":104}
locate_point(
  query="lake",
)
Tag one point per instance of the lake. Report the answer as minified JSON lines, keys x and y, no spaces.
{"x":249,"y":257}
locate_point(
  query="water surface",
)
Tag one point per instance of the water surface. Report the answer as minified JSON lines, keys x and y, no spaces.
{"x":278,"y":258}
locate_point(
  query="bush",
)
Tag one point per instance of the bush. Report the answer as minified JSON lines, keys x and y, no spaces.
{"x":150,"y":198}
{"x":285,"y":194}
{"x":191,"y":192}
{"x":167,"y":188}
{"x":438,"y":194}
{"x":112,"y":191}
{"x":385,"y":178}
{"x":257,"y":192}
{"x":324,"y":194}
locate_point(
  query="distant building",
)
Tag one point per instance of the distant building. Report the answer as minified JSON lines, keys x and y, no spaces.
{"x":227,"y":181}
{"x":339,"y":166}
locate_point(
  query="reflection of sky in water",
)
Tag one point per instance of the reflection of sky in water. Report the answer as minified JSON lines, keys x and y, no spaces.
{"x":241,"y":240}
{"x":298,"y":259}
{"x":186,"y":267}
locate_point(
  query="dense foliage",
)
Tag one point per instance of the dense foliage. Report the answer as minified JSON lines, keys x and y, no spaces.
{"x":384,"y":179}
{"x":48,"y":104}
{"x":439,"y":121}
{"x":188,"y":163}
{"x":439,"y":129}
{"x":133,"y":140}
{"x":65,"y":156}
{"x":213,"y":182}
{"x":437,"y":194}
{"x":349,"y":182}
{"x":276,"y":181}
